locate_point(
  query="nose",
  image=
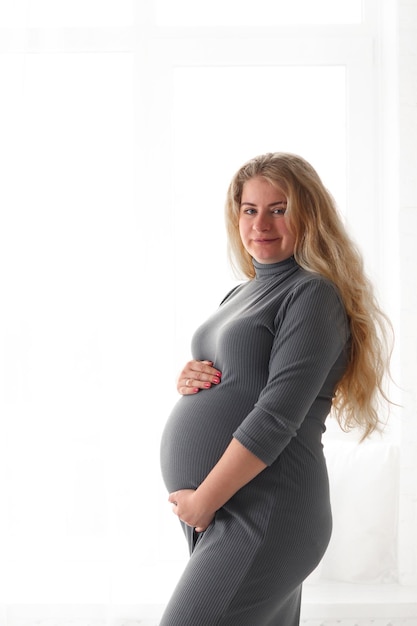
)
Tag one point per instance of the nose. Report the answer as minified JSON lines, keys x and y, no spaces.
{"x":262,"y":223}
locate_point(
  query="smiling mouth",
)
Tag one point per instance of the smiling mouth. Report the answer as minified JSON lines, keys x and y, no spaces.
{"x":265,"y":240}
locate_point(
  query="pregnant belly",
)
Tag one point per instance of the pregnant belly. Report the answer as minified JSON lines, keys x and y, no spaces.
{"x":197,"y":432}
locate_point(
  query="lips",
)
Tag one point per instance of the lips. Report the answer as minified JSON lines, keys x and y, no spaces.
{"x":265,"y":240}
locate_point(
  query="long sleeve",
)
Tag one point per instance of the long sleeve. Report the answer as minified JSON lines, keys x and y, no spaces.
{"x":305,"y":364}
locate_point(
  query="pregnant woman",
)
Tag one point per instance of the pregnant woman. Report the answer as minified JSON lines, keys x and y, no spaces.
{"x":241,"y":453}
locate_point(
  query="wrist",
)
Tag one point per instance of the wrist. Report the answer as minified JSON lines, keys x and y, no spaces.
{"x":202,"y":502}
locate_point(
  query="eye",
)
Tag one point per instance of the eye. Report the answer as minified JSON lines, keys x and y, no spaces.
{"x":249,"y":211}
{"x":279,"y":210}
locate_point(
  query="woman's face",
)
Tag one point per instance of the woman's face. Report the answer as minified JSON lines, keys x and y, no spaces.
{"x":262,"y":225}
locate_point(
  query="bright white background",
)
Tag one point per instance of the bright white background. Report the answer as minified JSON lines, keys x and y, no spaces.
{"x":121,"y":124}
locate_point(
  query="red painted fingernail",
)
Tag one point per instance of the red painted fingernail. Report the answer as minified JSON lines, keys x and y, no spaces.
{"x":207,"y":385}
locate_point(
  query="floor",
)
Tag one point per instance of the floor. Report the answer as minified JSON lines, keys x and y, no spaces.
{"x":83,"y":622}
{"x":324,"y":605}
{"x":78,"y":622}
{"x":146,"y":622}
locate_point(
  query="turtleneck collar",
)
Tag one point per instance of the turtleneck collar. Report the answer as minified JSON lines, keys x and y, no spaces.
{"x":269,"y":270}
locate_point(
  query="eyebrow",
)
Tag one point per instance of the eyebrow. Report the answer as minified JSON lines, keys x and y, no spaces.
{"x":269,"y":205}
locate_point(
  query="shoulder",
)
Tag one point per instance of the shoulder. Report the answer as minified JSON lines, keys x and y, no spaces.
{"x":312,"y":282}
{"x":316,"y":301}
{"x":286,"y":288}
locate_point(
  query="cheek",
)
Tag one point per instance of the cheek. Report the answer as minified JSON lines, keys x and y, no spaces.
{"x":289,"y":237}
{"x":287,"y":229}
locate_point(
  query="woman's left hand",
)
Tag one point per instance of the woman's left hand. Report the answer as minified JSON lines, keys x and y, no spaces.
{"x":185,"y":504}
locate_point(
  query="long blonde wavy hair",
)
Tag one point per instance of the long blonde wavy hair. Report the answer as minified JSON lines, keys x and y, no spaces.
{"x":323,"y":246}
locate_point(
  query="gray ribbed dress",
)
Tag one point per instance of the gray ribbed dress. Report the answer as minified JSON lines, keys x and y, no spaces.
{"x":280,"y":341}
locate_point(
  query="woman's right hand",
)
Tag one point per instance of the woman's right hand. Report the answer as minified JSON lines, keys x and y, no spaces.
{"x":197,"y":375}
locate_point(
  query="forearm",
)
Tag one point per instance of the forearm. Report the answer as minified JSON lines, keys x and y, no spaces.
{"x":237,"y":467}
